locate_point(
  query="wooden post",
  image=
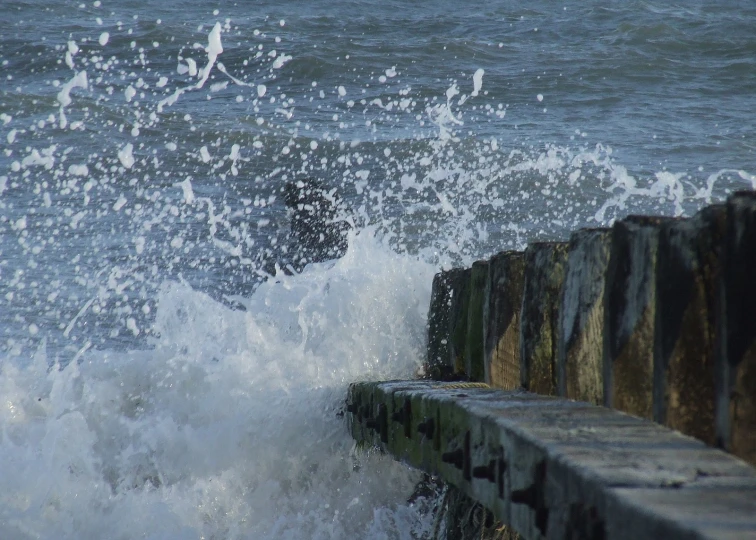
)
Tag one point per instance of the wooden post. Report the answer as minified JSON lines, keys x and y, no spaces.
{"x":460,"y":302}
{"x":629,"y":304}
{"x":439,"y":359}
{"x":580,"y":338}
{"x":736,"y":396}
{"x":687,"y":278}
{"x":474,"y":340}
{"x":544,"y":273}
{"x":501,"y":318}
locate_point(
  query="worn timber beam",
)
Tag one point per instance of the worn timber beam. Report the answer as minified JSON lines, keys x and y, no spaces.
{"x":556,"y":468}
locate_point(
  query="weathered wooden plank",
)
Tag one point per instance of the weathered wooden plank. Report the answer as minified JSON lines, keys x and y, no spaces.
{"x":580,"y":338}
{"x":501,"y":318}
{"x":474,"y":362}
{"x":544,"y":273}
{"x":629,"y":304}
{"x":736,"y":396}
{"x":555,"y":468}
{"x":460,"y":303}
{"x":687,"y":280}
{"x":438,"y":359}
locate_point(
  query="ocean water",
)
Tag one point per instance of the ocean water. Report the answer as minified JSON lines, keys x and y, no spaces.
{"x":161,"y":375}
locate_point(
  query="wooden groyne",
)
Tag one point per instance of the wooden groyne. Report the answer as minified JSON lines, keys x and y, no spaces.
{"x":621,"y":368}
{"x":557,"y":468}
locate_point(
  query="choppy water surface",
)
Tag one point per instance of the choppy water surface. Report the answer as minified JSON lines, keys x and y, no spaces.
{"x":155,"y":381}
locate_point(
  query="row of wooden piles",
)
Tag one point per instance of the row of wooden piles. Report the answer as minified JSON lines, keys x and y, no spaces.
{"x":654,"y":316}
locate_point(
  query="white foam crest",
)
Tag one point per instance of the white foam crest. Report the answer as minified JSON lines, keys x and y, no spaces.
{"x":706,"y":192}
{"x":228,"y":427}
{"x":534,"y":194}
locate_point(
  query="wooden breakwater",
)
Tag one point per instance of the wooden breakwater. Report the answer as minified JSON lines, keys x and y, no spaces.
{"x":548,"y":467}
{"x":655,"y":317}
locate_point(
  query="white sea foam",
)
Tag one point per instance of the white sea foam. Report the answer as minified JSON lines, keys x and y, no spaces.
{"x":229,"y":426}
{"x":64,"y":95}
{"x":213,"y":49}
{"x":477,"y":81}
{"x":126,"y":156}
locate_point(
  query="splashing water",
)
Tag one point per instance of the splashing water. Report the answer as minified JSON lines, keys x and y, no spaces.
{"x":157,"y":380}
{"x":228,"y":427}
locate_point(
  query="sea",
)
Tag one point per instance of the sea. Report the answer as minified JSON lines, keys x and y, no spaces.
{"x":164,"y":374}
